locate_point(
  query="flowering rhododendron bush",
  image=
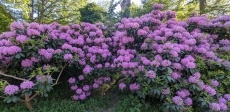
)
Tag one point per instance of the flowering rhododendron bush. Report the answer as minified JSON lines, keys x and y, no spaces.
{"x":31,"y":53}
{"x":170,"y":63}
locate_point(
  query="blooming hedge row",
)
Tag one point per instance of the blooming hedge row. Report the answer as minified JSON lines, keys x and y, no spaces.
{"x":157,"y":58}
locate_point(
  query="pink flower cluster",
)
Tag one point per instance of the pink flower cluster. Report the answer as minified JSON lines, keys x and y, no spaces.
{"x":85,"y":90}
{"x":27,"y":85}
{"x":11,"y":89}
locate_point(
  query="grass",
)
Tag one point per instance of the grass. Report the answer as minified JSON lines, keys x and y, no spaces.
{"x":60,"y":101}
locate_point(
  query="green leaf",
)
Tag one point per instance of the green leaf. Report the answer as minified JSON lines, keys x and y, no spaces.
{"x":17,"y":56}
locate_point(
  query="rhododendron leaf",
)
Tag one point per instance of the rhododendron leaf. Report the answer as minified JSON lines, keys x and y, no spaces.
{"x":149,"y":80}
{"x":203,"y":103}
{"x":15,"y":99}
{"x":17,"y":56}
{"x":9,"y":100}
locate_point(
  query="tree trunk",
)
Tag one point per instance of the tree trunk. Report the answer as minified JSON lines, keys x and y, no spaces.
{"x":27,"y":101}
{"x":32,"y":11}
{"x":40,"y":19}
{"x":125,"y":4}
{"x":202,"y":5}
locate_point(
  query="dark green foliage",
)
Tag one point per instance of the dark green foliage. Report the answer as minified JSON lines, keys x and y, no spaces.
{"x":59,"y":102}
{"x":5,"y":19}
{"x":92,"y":13}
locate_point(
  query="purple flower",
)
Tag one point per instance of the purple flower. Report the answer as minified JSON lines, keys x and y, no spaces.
{"x":75,"y":97}
{"x":122,"y":86}
{"x":227,"y":97}
{"x":202,"y":50}
{"x":197,"y":75}
{"x":74,"y":88}
{"x":99,"y":65}
{"x":165,"y":63}
{"x":33,"y":32}
{"x":210,"y":90}
{"x":223,"y":106}
{"x":177,"y":66}
{"x":107,"y":79}
{"x":166,"y":91}
{"x":176,"y":75}
{"x":34,"y":59}
{"x":214,"y":106}
{"x":188,"y":101}
{"x":48,"y":55}
{"x":82,"y":97}
{"x":134,"y":86}
{"x":79,"y":91}
{"x":72,"y":80}
{"x":215,"y":82}
{"x":151,"y":74}
{"x":81,"y":77}
{"x":87,"y":69}
{"x":68,"y":56}
{"x":210,"y":54}
{"x":222,"y":100}
{"x":158,"y":6}
{"x":92,"y":34}
{"x":16,"y":26}
{"x":11,"y":89}
{"x":11,"y":50}
{"x":88,"y":93}
{"x":45,"y":67}
{"x":21,"y":38}
{"x":58,"y":51}
{"x":224,"y":42}
{"x":27,"y":85}
{"x":95,"y":85}
{"x":43,"y":77}
{"x":141,"y":32}
{"x":26,"y":63}
{"x":192,"y":79}
{"x":86,"y":88}
{"x":190,"y":65}
{"x":99,"y":32}
{"x":177,"y":100}
{"x":181,"y":94}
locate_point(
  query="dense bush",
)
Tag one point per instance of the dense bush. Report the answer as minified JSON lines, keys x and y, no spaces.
{"x":176,"y":65}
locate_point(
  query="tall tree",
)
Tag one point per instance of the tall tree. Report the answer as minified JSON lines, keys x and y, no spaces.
{"x":112,"y":7}
{"x":47,"y":11}
{"x":185,"y":8}
{"x":92,"y":13}
{"x":5,"y":19}
{"x":125,"y":4}
{"x":202,"y":4}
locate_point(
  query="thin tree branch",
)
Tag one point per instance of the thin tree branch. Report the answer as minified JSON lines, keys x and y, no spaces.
{"x":33,"y":96}
{"x":59,"y":74}
{"x":11,"y":76}
{"x":22,"y":100}
{"x":2,"y":97}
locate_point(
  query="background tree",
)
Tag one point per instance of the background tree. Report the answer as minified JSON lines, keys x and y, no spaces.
{"x":125,"y":5}
{"x":112,"y":7}
{"x":5,"y":19}
{"x":184,"y":8}
{"x":47,"y":11}
{"x":92,"y":13}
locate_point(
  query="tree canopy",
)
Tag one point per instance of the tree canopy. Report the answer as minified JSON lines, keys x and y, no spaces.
{"x":92,"y":13}
{"x":5,"y":19}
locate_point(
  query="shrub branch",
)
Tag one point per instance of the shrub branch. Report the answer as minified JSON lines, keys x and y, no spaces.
{"x":59,"y":75}
{"x":11,"y":76}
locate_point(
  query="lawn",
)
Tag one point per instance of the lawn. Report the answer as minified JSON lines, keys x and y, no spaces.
{"x":59,"y":101}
